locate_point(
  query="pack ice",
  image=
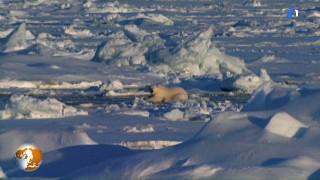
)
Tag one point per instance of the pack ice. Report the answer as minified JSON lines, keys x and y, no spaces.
{"x":75,"y":78}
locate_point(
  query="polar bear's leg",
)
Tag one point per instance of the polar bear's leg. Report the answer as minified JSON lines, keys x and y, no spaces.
{"x":180,"y":97}
{"x":156,"y":99}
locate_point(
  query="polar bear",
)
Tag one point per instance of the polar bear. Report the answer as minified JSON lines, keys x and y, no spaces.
{"x":162,"y":94}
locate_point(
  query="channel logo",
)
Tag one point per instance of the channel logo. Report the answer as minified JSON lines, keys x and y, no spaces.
{"x":293,"y":13}
{"x":29,"y":157}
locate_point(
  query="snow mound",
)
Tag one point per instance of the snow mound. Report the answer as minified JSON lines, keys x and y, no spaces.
{"x":135,"y":33}
{"x":110,"y":7}
{"x":248,"y":83}
{"x":70,"y":85}
{"x":47,"y":138}
{"x":152,"y":144}
{"x":314,"y":17}
{"x":48,"y":41}
{"x":7,"y":84}
{"x":302,"y":162}
{"x":155,"y":18}
{"x":16,"y":15}
{"x":199,"y":56}
{"x":112,"y":108}
{"x":2,"y":18}
{"x":271,"y":96}
{"x":174,"y":115}
{"x":59,"y":46}
{"x":76,"y":31}
{"x":285,"y":125}
{"x":31,"y":3}
{"x":5,"y":33}
{"x":25,"y":107}
{"x":139,"y":129}
{"x":2,"y":174}
{"x":114,"y":85}
{"x":253,"y":3}
{"x":83,"y":54}
{"x":271,"y":59}
{"x":119,"y":50}
{"x":135,"y":113}
{"x":201,"y":172}
{"x":19,"y":39}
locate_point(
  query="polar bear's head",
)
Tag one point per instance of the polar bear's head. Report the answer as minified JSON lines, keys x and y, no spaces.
{"x":155,"y":89}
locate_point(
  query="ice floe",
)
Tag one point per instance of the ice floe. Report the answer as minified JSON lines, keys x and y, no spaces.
{"x":154,"y":18}
{"x":5,"y":33}
{"x":76,"y":31}
{"x":199,"y":56}
{"x":174,"y":115}
{"x":121,"y":51}
{"x":139,"y":129}
{"x":25,"y":107}
{"x":8,"y":83}
{"x":153,"y":144}
{"x":135,"y":113}
{"x":248,"y":83}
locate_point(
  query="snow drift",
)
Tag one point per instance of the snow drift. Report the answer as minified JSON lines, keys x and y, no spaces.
{"x":47,"y":138}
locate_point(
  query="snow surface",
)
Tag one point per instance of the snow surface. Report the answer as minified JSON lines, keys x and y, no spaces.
{"x":75,"y":80}
{"x":140,"y":129}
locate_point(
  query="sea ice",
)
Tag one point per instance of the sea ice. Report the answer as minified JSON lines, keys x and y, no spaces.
{"x":25,"y":107}
{"x":174,"y":115}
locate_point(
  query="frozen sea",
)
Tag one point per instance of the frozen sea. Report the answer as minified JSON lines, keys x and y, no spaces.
{"x":75,"y":78}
